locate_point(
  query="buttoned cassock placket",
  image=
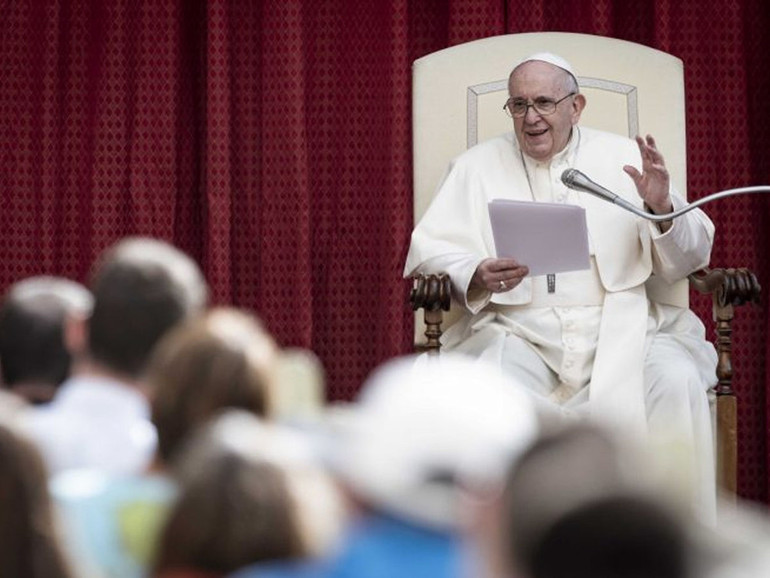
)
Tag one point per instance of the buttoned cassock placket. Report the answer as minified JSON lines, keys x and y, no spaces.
{"x":571,"y":343}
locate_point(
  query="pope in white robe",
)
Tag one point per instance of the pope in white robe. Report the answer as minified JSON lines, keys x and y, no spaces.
{"x":597,"y":342}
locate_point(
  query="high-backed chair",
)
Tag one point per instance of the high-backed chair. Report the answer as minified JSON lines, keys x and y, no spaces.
{"x":457,"y":100}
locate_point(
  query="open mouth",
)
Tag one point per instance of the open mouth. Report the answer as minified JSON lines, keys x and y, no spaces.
{"x":537,"y":132}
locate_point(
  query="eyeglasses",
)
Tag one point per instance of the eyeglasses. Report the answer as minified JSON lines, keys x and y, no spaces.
{"x":518,"y":107}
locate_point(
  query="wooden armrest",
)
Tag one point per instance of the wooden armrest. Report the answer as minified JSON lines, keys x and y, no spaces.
{"x":729,"y":288}
{"x":431,"y":292}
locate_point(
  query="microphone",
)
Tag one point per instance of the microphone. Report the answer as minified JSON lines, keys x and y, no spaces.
{"x":576,"y":180}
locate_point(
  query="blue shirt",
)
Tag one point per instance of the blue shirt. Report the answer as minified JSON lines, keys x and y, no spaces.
{"x":377,"y":547}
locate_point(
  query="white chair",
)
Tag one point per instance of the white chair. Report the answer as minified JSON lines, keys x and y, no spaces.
{"x":457,"y":100}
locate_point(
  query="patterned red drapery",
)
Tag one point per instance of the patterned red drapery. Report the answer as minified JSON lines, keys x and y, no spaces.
{"x":271,"y":140}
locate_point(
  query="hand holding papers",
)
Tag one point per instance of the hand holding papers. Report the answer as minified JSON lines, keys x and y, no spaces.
{"x":546,"y":237}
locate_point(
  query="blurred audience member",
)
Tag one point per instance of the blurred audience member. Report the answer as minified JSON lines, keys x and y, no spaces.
{"x":12,"y":406}
{"x":617,"y":536}
{"x":300,"y":392}
{"x":29,"y":541}
{"x":423,"y":435}
{"x":738,"y":546}
{"x":221,"y":359}
{"x":579,"y":506}
{"x":33,"y":357}
{"x":250,"y":492}
{"x":225,"y":359}
{"x":111,"y":521}
{"x":100,"y":417}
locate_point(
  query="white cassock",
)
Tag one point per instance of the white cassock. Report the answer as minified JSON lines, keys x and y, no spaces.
{"x":623,"y":326}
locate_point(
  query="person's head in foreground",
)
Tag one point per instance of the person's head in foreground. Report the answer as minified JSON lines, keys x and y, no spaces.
{"x":34,"y":359}
{"x":577,"y":507}
{"x":250,"y":492}
{"x":223,"y":359}
{"x":424,"y":433}
{"x":142,"y":288}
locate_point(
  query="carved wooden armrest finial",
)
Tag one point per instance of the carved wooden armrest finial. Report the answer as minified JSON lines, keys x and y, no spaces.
{"x":729,"y":288}
{"x":431,"y":292}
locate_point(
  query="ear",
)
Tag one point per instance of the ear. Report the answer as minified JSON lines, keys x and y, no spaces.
{"x":578,"y":104}
{"x":76,"y":333}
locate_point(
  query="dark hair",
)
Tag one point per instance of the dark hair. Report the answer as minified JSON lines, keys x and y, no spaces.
{"x":142,"y":287}
{"x":29,"y":545}
{"x":564,"y":468}
{"x":613,"y":537}
{"x":235,"y":511}
{"x":32,"y":348}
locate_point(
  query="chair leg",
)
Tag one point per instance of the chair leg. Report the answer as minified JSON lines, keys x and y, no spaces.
{"x":433,"y":320}
{"x":727,"y":406}
{"x":727,"y":445}
{"x":729,"y":288}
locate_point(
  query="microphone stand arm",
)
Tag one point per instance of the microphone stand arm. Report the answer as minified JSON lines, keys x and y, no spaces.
{"x":694,"y":205}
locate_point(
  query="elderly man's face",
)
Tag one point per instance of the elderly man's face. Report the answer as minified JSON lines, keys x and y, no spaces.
{"x":541,"y":137}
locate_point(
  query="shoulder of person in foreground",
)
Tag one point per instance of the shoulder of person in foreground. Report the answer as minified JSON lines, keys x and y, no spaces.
{"x":111,"y":522}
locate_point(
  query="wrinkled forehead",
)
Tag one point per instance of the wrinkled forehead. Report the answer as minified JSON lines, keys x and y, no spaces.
{"x":537,"y":78}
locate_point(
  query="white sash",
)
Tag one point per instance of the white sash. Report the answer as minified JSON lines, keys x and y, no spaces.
{"x":616,"y":392}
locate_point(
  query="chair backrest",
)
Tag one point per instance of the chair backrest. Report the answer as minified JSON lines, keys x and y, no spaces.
{"x":458,"y":94}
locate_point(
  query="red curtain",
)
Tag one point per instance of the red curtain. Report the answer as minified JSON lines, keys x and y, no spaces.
{"x":271,"y":140}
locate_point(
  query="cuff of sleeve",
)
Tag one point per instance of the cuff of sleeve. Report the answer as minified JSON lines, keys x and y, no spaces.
{"x":655,"y":232}
{"x":474,"y":299}
{"x":477,"y":299}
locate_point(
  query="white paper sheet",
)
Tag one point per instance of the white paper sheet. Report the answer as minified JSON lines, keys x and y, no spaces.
{"x":546,"y":237}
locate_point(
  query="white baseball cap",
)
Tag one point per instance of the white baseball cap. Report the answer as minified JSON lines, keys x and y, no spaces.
{"x":424,"y":431}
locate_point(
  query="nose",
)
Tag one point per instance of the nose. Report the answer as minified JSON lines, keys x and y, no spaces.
{"x":534,"y":114}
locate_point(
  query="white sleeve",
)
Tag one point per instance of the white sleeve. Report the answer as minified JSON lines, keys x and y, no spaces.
{"x":685,"y":247}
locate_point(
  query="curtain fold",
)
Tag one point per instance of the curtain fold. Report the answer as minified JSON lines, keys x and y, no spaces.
{"x":272,"y":141}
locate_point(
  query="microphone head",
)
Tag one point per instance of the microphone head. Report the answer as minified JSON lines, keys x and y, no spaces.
{"x":573,"y":178}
